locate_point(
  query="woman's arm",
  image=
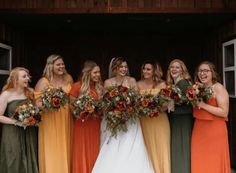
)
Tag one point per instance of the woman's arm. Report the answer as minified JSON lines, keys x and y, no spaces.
{"x":40,"y":86}
{"x":222,"y":99}
{"x":3,"y":102}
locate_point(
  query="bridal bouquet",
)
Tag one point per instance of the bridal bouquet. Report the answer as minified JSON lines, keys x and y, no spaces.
{"x":198,"y":92}
{"x":54,"y":98}
{"x":28,"y":114}
{"x":119,"y":107}
{"x":170,"y":96}
{"x":85,"y":106}
{"x":149,"y":106}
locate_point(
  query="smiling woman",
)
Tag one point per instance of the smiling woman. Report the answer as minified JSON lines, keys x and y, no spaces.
{"x":54,"y":149}
{"x":210,"y":148}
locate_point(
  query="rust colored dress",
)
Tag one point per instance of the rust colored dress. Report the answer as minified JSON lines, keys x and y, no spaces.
{"x":86,"y":137}
{"x":209,"y":149}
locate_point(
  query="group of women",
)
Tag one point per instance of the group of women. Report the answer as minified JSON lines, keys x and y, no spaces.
{"x":164,"y":144}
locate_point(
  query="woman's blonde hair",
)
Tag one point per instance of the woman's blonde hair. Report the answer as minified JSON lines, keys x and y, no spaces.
{"x":86,"y":78}
{"x":215,"y":76}
{"x":185,"y":73}
{"x":12,"y":82}
{"x":115,"y":64}
{"x":157,"y":71}
{"x":48,"y":69}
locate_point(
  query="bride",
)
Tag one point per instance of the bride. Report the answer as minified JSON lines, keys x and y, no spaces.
{"x":127,"y":152}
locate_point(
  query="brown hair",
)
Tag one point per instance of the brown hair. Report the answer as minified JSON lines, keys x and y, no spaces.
{"x":215,"y":76}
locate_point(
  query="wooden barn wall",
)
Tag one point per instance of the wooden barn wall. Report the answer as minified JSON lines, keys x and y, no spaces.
{"x":90,"y":6}
{"x":214,"y":53}
{"x":76,"y":48}
{"x":15,"y":39}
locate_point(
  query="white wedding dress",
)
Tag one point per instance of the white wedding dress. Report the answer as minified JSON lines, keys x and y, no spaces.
{"x":124,"y":154}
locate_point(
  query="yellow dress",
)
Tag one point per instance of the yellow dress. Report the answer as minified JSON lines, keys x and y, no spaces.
{"x":156,"y":133}
{"x":54,"y":139}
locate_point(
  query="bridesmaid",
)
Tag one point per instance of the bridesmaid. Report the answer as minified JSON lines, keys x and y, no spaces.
{"x":55,"y":130}
{"x":210,"y":148}
{"x":156,"y":131}
{"x":181,"y":120}
{"x":86,"y":135}
{"x":18,"y":145}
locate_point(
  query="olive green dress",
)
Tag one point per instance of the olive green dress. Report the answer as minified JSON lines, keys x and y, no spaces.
{"x":181,"y":123}
{"x":18,"y":147}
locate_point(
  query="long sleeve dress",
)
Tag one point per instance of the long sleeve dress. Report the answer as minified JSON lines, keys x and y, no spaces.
{"x":156,"y":133}
{"x":210,"y":148}
{"x":181,"y":122}
{"x":18,"y":148}
{"x":86,"y":137}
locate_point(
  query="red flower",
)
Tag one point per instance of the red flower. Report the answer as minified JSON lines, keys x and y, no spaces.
{"x":154,"y":114}
{"x":166,"y":92}
{"x":121,"y":106}
{"x":56,"y":102}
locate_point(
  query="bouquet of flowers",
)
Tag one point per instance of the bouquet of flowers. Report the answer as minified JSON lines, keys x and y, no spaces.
{"x":198,"y":92}
{"x":170,"y":96}
{"x":54,"y":98}
{"x":149,"y":106}
{"x":119,"y":107}
{"x":28,"y":114}
{"x":85,"y":106}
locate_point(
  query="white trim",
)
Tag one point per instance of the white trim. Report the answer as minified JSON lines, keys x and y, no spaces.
{"x":4,"y":72}
{"x":230,"y":68}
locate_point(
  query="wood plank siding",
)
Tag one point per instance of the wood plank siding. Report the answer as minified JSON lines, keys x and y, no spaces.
{"x":118,"y":6}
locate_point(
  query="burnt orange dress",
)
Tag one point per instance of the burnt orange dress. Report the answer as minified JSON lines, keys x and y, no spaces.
{"x":86,"y":137}
{"x":209,"y":148}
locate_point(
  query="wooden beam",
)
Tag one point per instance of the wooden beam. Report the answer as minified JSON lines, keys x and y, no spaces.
{"x":102,"y":10}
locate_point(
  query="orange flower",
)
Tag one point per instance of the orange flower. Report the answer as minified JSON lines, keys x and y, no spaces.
{"x":145,"y":102}
{"x":31,"y":121}
{"x":112,"y":93}
{"x":117,"y":113}
{"x":90,"y":109}
{"x":191,"y":94}
{"x":130,"y":109}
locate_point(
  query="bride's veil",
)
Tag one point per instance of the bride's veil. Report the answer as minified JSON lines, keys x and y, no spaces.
{"x":110,"y":73}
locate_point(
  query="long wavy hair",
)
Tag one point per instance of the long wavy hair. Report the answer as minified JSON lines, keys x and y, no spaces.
{"x":185,"y":73}
{"x":115,"y":64}
{"x":48,"y":69}
{"x":12,"y":82}
{"x":215,"y":76}
{"x":86,"y":78}
{"x":157,"y":72}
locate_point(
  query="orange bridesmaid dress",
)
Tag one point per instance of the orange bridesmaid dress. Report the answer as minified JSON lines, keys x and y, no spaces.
{"x":54,"y":139}
{"x":86,"y":137}
{"x":209,"y":148}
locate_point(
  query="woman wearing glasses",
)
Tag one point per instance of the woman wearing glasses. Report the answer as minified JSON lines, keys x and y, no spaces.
{"x":209,"y":148}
